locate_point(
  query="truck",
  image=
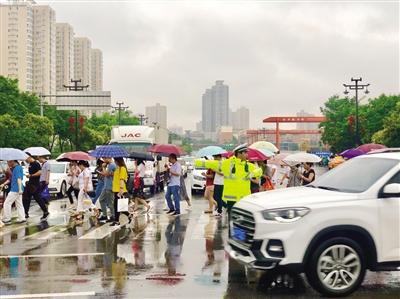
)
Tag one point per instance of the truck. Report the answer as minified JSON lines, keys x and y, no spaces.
{"x":138,"y":139}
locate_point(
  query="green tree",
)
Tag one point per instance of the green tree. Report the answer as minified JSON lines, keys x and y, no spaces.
{"x":337,"y":131}
{"x":390,"y":134}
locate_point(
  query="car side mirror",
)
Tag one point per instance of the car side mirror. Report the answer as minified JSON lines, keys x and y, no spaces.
{"x":391,"y":190}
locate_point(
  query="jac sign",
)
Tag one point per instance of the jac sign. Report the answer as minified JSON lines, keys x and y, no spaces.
{"x":131,"y":135}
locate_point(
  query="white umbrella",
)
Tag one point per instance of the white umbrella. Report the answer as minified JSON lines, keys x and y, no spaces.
{"x":7,"y":154}
{"x":302,"y":158}
{"x":37,"y":151}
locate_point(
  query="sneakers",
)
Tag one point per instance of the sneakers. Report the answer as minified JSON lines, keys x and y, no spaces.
{"x":102,"y":218}
{"x":7,"y":222}
{"x":115,"y":224}
{"x":45,"y":216}
{"x":21,"y":221}
{"x":175,"y":214}
{"x":170,"y":212}
{"x":218,"y":215}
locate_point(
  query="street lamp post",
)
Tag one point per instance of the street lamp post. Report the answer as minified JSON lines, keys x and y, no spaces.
{"x":120,"y":108}
{"x":356,"y":86}
{"x":142,"y":119}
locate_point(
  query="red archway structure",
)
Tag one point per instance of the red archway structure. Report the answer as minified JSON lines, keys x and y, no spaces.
{"x":293,"y":119}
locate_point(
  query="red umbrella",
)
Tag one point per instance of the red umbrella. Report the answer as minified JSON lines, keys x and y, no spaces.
{"x":253,"y":155}
{"x":366,"y":148}
{"x":74,"y":156}
{"x":166,"y":149}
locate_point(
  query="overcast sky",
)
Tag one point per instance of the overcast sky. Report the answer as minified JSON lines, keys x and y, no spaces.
{"x":277,"y":57}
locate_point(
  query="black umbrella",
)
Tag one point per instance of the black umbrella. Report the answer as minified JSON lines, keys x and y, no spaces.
{"x":141,"y":156}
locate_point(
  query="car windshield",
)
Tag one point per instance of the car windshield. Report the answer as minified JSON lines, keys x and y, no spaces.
{"x":57,"y":168}
{"x":355,"y":176}
{"x":138,"y":147}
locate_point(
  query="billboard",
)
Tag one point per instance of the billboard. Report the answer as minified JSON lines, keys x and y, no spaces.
{"x":83,"y":100}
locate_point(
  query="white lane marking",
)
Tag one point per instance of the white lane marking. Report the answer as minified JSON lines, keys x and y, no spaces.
{"x":103,"y":231}
{"x":52,"y":234}
{"x":12,"y":229}
{"x":48,"y":295}
{"x":50,"y":255}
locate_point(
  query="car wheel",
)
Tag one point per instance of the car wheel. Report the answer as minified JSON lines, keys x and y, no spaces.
{"x":63,"y":190}
{"x":336,"y":267}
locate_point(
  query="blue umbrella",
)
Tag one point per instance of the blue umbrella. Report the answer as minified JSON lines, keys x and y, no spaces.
{"x":210,"y":151}
{"x":109,"y":151}
{"x":7,"y":154}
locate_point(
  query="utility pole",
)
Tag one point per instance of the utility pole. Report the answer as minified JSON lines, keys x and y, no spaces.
{"x":76,"y":87}
{"x":120,"y":108}
{"x":356,"y":86}
{"x":142,"y":118}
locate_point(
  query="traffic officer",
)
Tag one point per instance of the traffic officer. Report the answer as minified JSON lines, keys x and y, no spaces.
{"x":237,"y":173}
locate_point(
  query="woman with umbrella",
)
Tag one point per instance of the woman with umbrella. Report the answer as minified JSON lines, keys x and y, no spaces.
{"x":308,"y":175}
{"x":85,"y":186}
{"x":119,"y":185}
{"x":138,"y":185}
{"x":73,"y":174}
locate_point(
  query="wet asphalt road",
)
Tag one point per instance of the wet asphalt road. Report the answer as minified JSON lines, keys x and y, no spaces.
{"x":156,"y":256}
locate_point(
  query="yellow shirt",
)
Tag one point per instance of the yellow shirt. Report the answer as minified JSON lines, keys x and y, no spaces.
{"x":119,"y":174}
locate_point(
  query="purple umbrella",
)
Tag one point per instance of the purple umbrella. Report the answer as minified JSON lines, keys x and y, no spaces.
{"x":351,"y":153}
{"x":366,"y":148}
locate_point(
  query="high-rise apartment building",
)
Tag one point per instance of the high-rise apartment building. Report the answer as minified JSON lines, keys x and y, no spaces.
{"x":65,"y":55}
{"x":157,"y":115}
{"x":16,"y":48}
{"x":215,"y":107}
{"x":44,"y":51}
{"x":82,"y":60}
{"x":96,"y":70}
{"x":241,"y":119}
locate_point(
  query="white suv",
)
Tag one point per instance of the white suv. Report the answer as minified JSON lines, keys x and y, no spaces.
{"x":333,"y":230}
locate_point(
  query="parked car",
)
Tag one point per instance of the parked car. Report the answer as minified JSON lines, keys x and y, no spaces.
{"x":333,"y":230}
{"x":198,"y":180}
{"x":58,"y":178}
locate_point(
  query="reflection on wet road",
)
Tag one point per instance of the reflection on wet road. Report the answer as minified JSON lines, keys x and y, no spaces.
{"x":155,"y":256}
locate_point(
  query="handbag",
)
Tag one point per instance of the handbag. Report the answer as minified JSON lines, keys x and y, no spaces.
{"x":268,"y":185}
{"x":123,"y":204}
{"x":45,"y":194}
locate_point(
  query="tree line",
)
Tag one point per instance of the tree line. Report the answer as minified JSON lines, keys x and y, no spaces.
{"x":379,"y":122}
{"x":21,"y":125}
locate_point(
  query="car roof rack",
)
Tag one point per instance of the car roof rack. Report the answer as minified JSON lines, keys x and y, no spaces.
{"x":385,"y":150}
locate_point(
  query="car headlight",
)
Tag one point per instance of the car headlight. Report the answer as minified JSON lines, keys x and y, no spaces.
{"x":285,"y":215}
{"x":199,"y":178}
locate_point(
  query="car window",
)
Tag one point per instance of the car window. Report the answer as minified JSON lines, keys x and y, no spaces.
{"x":395,"y":179}
{"x":356,"y":175}
{"x":57,"y":168}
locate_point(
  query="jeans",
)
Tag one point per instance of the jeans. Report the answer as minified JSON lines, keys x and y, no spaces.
{"x":218,"y":192}
{"x":106,"y":201}
{"x":99,"y":189}
{"x":11,"y":198}
{"x":69,"y":194}
{"x":29,"y":192}
{"x":173,"y":191}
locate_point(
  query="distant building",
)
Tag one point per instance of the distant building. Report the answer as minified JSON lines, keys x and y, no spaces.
{"x":306,"y":126}
{"x":44,"y":51}
{"x":241,"y":119}
{"x":199,"y":126}
{"x":176,"y":130}
{"x":16,"y":43}
{"x":157,"y":114}
{"x":65,"y":55}
{"x":215,"y":107}
{"x":82,"y":60}
{"x":96,"y":67}
{"x":225,"y":134}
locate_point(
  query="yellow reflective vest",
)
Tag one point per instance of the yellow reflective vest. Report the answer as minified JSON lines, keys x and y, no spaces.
{"x":237,"y":175}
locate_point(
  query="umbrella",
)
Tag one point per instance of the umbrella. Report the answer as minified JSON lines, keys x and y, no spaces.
{"x":7,"y":154}
{"x":210,"y":151}
{"x":336,"y":162}
{"x":109,"y":151}
{"x":278,"y":159}
{"x":366,"y":148}
{"x":227,"y":154}
{"x":141,"y":156}
{"x":166,"y":149}
{"x":266,"y":152}
{"x":255,"y":155}
{"x":37,"y":151}
{"x":74,"y":156}
{"x":265,"y":145}
{"x":351,"y":153}
{"x":302,"y":158}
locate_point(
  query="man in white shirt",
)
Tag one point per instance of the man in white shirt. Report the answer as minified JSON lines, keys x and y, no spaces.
{"x":219,"y":188}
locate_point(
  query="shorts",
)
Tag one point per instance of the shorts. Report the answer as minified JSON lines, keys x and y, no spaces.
{"x":139,"y":192}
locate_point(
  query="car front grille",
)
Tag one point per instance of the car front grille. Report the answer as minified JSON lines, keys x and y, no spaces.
{"x":245,"y":221}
